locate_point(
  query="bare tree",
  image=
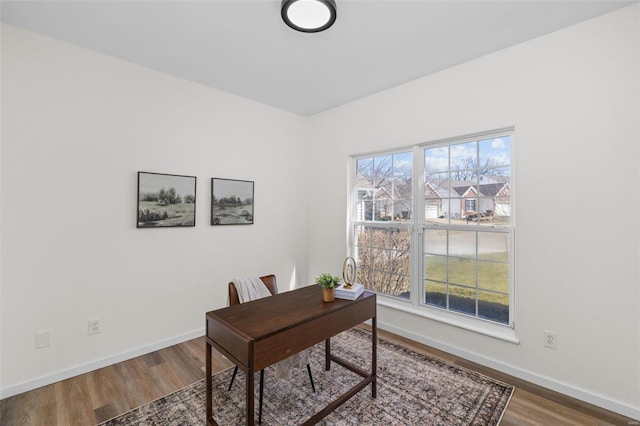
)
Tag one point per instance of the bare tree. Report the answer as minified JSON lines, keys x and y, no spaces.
{"x":470,"y":168}
{"x":383,"y":255}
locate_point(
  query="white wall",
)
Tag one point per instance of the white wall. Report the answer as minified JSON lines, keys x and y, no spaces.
{"x":76,"y":128}
{"x":573,"y":97}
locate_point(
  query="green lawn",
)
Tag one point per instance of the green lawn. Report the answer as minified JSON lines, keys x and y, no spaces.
{"x":454,"y":284}
{"x":493,"y":285}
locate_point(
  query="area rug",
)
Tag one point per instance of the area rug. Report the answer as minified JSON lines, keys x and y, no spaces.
{"x":413,"y":389}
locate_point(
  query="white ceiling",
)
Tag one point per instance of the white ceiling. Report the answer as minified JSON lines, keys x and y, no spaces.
{"x":243,"y":47}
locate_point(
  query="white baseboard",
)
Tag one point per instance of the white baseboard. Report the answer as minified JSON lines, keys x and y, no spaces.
{"x":94,"y":365}
{"x":599,"y":400}
{"x":547,"y":382}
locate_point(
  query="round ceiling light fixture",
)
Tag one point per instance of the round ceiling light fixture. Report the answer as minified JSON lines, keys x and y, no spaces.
{"x":309,"y":16}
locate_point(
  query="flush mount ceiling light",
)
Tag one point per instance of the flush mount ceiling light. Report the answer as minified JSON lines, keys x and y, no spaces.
{"x":309,"y":16}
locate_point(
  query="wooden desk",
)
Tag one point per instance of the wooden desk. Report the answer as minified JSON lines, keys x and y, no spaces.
{"x":256,"y":334}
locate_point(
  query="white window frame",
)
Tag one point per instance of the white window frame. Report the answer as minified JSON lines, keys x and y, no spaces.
{"x":416,"y":228}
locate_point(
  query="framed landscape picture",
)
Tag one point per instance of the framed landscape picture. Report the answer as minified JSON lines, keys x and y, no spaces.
{"x":231,"y":202}
{"x":166,"y":200}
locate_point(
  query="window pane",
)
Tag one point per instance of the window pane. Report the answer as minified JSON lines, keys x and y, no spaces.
{"x":365,"y":170}
{"x":394,"y":200}
{"x":493,"y":276}
{"x":364,"y":265}
{"x":457,"y":210}
{"x":436,"y":160}
{"x":435,"y":241}
{"x":436,"y":294}
{"x":400,"y":240}
{"x":450,"y":212}
{"x":493,"y":246}
{"x":464,"y":161}
{"x":403,"y":164}
{"x":434,"y":210}
{"x":382,"y":170}
{"x":485,"y":210}
{"x":437,"y":198}
{"x":462,"y":243}
{"x":382,"y":208}
{"x":494,"y":307}
{"x":494,"y":152}
{"x":364,"y":205}
{"x":402,"y":189}
{"x":382,"y":176}
{"x":437,"y":186}
{"x":462,"y":299}
{"x":435,"y":268}
{"x":377,"y":238}
{"x":462,"y":271}
{"x":381,"y":260}
{"x":402,"y":197}
{"x":380,"y":282}
{"x":502,"y":198}
{"x":400,"y":286}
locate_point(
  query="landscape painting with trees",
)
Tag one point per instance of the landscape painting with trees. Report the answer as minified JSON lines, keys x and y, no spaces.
{"x":231,"y":202}
{"x":166,"y":200}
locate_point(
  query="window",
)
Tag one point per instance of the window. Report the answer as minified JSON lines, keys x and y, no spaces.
{"x":383,"y":213}
{"x":431,"y":228}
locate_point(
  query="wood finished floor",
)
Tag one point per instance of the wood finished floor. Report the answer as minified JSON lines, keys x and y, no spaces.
{"x":91,"y":398}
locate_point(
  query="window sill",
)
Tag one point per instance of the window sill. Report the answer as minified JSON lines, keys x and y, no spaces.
{"x":497,"y":331}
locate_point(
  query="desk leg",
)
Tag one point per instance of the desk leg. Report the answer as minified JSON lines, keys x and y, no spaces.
{"x":374,"y":352}
{"x":207,"y":362}
{"x":327,"y":354}
{"x":249,"y":397}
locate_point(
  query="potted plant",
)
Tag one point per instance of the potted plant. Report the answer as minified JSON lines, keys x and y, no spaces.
{"x":328,"y":283}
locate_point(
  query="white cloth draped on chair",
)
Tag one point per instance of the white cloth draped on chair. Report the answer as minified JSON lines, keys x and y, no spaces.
{"x":252,"y":288}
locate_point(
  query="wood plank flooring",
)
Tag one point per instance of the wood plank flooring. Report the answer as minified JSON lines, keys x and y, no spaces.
{"x":97,"y":396}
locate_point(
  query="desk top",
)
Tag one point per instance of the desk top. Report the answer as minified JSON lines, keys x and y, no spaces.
{"x":262,"y":318}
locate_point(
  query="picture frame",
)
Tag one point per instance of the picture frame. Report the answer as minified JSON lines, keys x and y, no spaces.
{"x":232,"y":202}
{"x":166,"y":200}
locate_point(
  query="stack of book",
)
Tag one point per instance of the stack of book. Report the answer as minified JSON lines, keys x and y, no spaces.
{"x":349,"y":293}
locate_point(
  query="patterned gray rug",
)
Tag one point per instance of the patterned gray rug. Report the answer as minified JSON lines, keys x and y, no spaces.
{"x":413,"y":389}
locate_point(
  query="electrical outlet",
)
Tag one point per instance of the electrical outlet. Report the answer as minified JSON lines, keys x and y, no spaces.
{"x":550,"y":339}
{"x":94,"y":326}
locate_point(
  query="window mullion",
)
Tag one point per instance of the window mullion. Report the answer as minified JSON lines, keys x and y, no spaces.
{"x":417,"y":240}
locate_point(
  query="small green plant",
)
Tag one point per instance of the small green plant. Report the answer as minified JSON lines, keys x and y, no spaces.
{"x":327,"y":280}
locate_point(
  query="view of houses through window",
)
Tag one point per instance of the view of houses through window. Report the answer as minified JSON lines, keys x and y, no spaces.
{"x":459,"y":232}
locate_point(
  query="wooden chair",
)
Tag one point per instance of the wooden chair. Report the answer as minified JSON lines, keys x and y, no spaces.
{"x":269,"y":282}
